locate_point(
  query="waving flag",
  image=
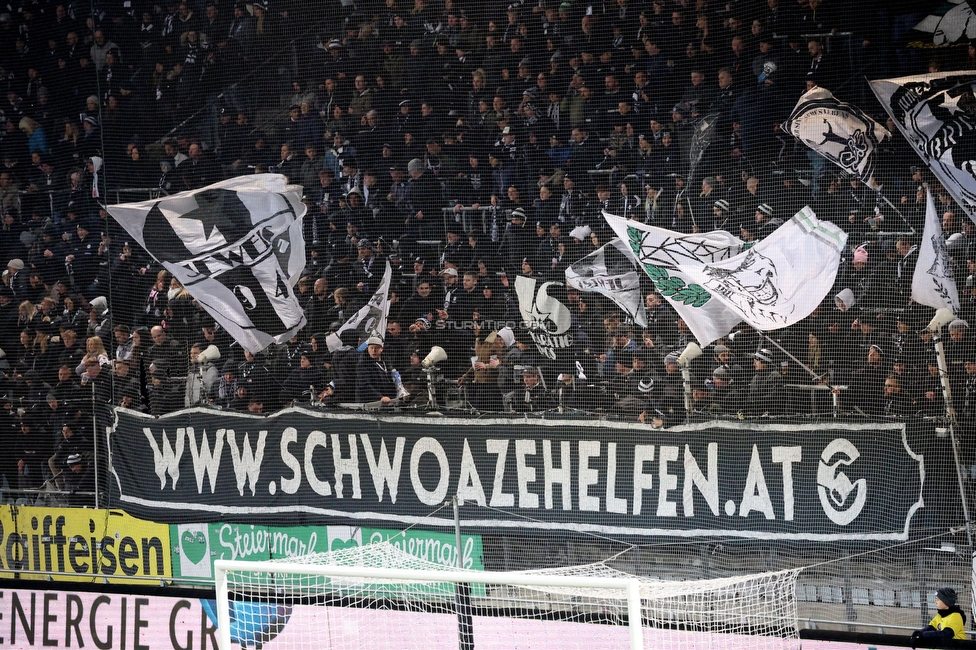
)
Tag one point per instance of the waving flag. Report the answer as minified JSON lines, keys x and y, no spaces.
{"x":704,"y":132}
{"x":783,"y":278}
{"x":841,"y":133}
{"x":714,"y":284}
{"x":370,"y":319}
{"x":949,"y":23}
{"x":237,"y":248}
{"x":610,"y":271}
{"x":937,"y":115}
{"x":933,"y":283}
{"x":666,"y":256}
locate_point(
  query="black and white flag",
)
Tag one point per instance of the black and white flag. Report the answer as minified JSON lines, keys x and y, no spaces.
{"x":236,"y":246}
{"x":933,"y":283}
{"x":937,"y":115}
{"x":610,"y":271}
{"x":548,"y":320}
{"x":370,"y":319}
{"x":704,"y":132}
{"x":949,"y":23}
{"x":841,"y":133}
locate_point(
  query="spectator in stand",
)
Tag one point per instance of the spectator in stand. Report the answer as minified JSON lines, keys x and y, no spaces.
{"x":766,"y":389}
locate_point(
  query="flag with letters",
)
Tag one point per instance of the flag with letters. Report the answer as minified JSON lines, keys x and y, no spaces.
{"x":933,"y":283}
{"x":610,"y":271}
{"x":937,"y":115}
{"x":370,"y":319}
{"x":237,"y":248}
{"x":841,"y":133}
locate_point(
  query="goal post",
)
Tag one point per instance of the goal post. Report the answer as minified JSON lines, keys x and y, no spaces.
{"x":378,"y":597}
{"x":629,"y":589}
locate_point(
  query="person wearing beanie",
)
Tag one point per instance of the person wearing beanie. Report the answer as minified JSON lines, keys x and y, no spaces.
{"x":532,"y":396}
{"x":766,"y":390}
{"x":723,"y":398}
{"x":721,"y":210}
{"x":374,"y":382}
{"x":949,"y":621}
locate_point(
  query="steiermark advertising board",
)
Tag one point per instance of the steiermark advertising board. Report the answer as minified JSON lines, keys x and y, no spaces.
{"x":197,"y":546}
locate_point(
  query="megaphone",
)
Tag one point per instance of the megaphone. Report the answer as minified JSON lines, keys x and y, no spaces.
{"x":691,"y":352}
{"x":942,"y":317}
{"x":210,"y":354}
{"x":435,"y":356}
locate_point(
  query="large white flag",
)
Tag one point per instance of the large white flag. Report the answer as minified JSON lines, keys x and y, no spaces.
{"x":937,"y":115}
{"x":783,"y":278}
{"x":666,"y":256}
{"x":841,"y":133}
{"x":610,"y":271}
{"x":370,"y":319}
{"x":236,"y":246}
{"x":933,"y":283}
{"x":714,"y":284}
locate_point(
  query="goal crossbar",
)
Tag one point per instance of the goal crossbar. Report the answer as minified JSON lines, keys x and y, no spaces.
{"x":631,"y":587}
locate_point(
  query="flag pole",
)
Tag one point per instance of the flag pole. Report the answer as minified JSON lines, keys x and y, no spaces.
{"x":892,"y":206}
{"x":814,"y":374}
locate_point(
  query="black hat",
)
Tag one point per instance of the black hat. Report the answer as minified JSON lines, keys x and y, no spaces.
{"x":947,"y":595}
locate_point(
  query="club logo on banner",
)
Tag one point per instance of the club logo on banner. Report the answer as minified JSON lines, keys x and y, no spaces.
{"x":236,"y":246}
{"x":828,"y":481}
{"x":834,"y":487}
{"x":546,"y":318}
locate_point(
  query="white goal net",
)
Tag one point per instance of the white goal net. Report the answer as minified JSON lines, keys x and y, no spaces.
{"x":378,"y":597}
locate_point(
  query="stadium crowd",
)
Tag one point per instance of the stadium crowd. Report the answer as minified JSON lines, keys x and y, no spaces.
{"x":465,"y":143}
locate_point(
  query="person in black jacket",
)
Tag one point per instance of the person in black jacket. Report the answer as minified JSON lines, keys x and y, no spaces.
{"x":374,"y":382}
{"x":304,"y":382}
{"x":345,"y":361}
{"x":532,"y":395}
{"x":31,"y":448}
{"x":766,"y":389}
{"x":79,"y":479}
{"x":424,"y":220}
{"x":73,"y":442}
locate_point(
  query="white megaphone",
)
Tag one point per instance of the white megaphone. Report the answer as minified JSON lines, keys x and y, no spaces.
{"x":691,"y":352}
{"x":435,"y":356}
{"x":942,"y":317}
{"x":210,"y":354}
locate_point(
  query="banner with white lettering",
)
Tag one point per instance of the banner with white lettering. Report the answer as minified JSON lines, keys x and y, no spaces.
{"x":826,"y":481}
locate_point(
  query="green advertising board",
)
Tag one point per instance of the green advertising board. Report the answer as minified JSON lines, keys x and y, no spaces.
{"x":195,"y":547}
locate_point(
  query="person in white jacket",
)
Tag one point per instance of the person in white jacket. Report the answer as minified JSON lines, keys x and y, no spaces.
{"x":202,"y":376}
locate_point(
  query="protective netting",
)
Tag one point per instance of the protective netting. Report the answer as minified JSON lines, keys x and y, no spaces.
{"x":742,"y":611}
{"x":475,"y":147}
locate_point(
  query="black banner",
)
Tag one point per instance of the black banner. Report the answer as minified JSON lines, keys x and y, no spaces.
{"x":825,"y":481}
